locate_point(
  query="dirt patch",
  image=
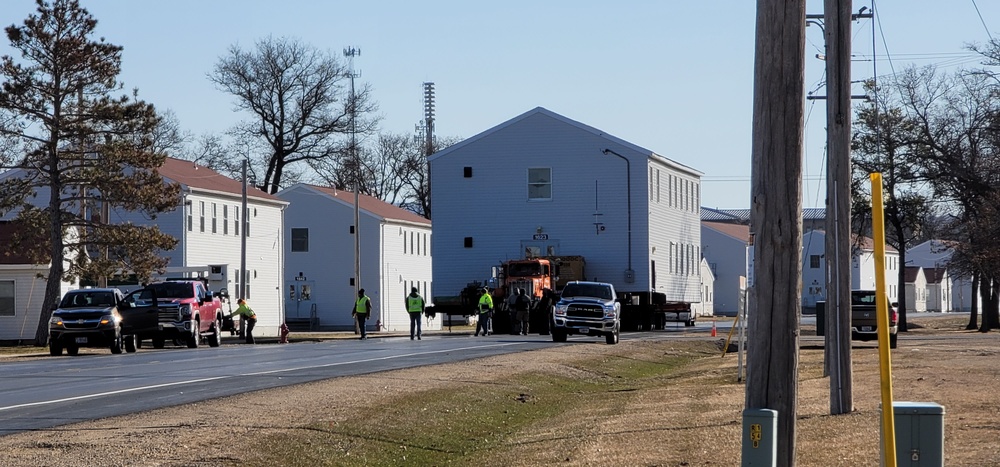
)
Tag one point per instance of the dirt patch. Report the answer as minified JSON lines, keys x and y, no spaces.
{"x":692,"y":418}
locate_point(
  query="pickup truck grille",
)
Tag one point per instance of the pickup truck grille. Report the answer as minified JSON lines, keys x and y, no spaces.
{"x":170,"y":314}
{"x":585,"y":311}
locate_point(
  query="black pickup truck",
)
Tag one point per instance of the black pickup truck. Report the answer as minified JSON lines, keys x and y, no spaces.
{"x":864,"y":319}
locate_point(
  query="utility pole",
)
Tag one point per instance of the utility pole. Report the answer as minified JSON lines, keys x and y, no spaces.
{"x":776,"y":223}
{"x":350,"y":53}
{"x":836,"y":25}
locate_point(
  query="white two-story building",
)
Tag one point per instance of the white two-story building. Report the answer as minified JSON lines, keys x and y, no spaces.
{"x":319,"y":259}
{"x":543,"y":184}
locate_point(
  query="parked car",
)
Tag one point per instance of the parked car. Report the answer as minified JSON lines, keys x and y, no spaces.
{"x":864,"y":317}
{"x":88,"y":318}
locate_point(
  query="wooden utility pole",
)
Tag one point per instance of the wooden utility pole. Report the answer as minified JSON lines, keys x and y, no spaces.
{"x":837,"y":348}
{"x":776,"y":216}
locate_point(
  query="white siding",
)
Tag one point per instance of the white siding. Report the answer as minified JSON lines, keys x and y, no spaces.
{"x":936,"y":254}
{"x":674,"y":234}
{"x":587,"y":214}
{"x":916,"y":293}
{"x":862,"y":270}
{"x":727,"y":259}
{"x":328,"y":266}
{"x":29,"y":292}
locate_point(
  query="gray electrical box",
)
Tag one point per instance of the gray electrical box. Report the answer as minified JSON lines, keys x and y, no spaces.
{"x":919,"y":434}
{"x":760,"y":444}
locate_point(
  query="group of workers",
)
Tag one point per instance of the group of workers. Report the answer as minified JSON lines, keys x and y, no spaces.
{"x":415,"y":305}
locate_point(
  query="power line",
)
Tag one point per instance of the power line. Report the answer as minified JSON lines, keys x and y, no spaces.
{"x":981,"y":20}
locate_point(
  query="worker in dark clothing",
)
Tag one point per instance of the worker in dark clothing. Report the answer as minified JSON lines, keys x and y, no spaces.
{"x":522,"y":305}
{"x":246,"y":314}
{"x":362,"y":310}
{"x":415,"y":307}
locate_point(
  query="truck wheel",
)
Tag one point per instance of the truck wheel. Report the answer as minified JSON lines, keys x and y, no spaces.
{"x":116,"y":343}
{"x":55,"y":348}
{"x":158,"y":342}
{"x":131,"y":343}
{"x":216,"y":338}
{"x":558,"y":335}
{"x":892,"y":341}
{"x":72,"y":350}
{"x":195,"y":337}
{"x":612,"y":337}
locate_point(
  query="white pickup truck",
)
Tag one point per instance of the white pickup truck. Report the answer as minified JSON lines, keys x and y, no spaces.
{"x":588,"y":308}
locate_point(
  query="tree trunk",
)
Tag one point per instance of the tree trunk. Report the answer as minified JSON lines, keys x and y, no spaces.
{"x":776,"y":217}
{"x":53,"y":284}
{"x":974,"y":306}
{"x":901,"y":290}
{"x":985,"y":287}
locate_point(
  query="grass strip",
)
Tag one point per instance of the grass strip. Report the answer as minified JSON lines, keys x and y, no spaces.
{"x":477,"y":423}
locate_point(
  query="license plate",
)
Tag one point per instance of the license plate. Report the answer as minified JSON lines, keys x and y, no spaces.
{"x":866,"y":328}
{"x":583,"y":330}
{"x":81,"y":340}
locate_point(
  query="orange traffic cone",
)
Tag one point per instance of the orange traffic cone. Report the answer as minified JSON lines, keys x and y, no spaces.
{"x":713,"y":328}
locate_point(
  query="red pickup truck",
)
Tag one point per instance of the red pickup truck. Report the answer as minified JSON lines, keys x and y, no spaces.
{"x":181,"y":310}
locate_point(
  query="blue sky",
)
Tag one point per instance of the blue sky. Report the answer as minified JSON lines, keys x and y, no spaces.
{"x":674,"y":77}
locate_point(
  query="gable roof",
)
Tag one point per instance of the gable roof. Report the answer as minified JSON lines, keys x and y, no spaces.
{"x":370,"y":204}
{"x":8,"y":253}
{"x":935,"y":275}
{"x":910,"y":273}
{"x":743,"y":215}
{"x":740,"y":232}
{"x":200,"y":178}
{"x":867,"y":243}
{"x":568,"y":121}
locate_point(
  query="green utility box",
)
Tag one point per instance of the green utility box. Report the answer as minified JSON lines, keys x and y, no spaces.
{"x":760,"y":430}
{"x":919,"y":434}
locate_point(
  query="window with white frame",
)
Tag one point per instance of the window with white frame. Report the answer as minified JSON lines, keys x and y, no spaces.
{"x":540,"y":183}
{"x":201,"y":215}
{"x":6,"y":298}
{"x":215,"y":217}
{"x":225,"y":219}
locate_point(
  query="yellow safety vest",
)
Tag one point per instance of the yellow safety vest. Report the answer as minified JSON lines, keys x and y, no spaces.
{"x":414,"y":304}
{"x":485,"y":303}
{"x":360,"y":307}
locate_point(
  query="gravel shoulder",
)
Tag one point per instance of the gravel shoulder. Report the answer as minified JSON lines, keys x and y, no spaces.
{"x":694,"y":418}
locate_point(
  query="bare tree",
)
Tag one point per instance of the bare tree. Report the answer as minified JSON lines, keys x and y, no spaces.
{"x":300,"y":105}
{"x":957,"y":121}
{"x":78,"y":147}
{"x":885,"y":140}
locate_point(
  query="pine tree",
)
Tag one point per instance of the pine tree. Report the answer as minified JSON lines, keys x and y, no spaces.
{"x":78,"y":151}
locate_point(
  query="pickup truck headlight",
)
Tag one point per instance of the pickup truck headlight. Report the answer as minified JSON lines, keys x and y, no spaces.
{"x":186,"y":311}
{"x":107,"y":319}
{"x":609,"y":311}
{"x":560,"y":309}
{"x":55,"y":321}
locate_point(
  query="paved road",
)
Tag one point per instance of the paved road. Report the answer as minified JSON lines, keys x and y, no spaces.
{"x":45,"y":392}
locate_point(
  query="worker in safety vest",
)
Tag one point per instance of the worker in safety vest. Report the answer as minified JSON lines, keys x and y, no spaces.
{"x":362,"y":310}
{"x":246,"y":314}
{"x":415,"y":307}
{"x":485,"y":311}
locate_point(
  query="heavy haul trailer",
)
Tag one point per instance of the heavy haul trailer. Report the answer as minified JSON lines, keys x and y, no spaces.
{"x":543,"y":279}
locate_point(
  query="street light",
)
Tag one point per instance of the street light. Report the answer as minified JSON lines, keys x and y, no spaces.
{"x":629,"y":273}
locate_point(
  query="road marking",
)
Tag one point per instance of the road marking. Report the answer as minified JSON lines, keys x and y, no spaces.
{"x":259,"y":373}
